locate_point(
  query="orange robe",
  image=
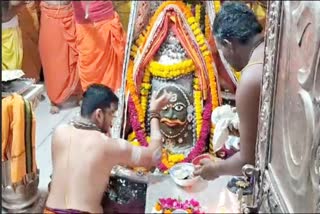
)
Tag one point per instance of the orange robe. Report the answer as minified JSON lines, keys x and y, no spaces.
{"x":18,"y":136}
{"x":29,"y":25}
{"x":101,"y":45}
{"x":58,"y":52}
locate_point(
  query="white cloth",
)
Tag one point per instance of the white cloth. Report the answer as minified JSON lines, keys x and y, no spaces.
{"x":224,"y":117}
{"x":12,"y":23}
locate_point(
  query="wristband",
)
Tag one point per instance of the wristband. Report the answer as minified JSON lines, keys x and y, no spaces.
{"x":154,"y":115}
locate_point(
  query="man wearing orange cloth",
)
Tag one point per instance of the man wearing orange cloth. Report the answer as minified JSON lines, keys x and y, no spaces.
{"x":29,"y":25}
{"x":123,"y":9}
{"x":101,"y":43}
{"x":57,"y":45}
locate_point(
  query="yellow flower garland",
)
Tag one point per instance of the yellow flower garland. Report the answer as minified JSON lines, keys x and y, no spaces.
{"x":144,"y":91}
{"x":209,"y":63}
{"x":217,"y":5}
{"x":208,"y":59}
{"x":170,"y":160}
{"x":132,"y":136}
{"x":198,"y":13}
{"x":197,"y":106}
{"x":171,"y":71}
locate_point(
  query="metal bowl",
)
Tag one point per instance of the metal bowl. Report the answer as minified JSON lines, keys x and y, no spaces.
{"x":180,"y":171}
{"x":196,"y":160}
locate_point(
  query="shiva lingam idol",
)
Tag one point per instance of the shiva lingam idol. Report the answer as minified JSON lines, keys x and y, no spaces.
{"x":170,"y":54}
{"x":177,"y":123}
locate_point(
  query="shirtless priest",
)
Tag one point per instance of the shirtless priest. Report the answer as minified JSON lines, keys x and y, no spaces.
{"x":239,"y":35}
{"x":83,"y":152}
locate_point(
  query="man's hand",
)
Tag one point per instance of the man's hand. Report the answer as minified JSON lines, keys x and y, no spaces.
{"x":156,"y":104}
{"x":206,"y":169}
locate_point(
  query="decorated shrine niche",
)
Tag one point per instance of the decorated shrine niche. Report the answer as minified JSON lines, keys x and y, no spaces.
{"x":146,"y":9}
{"x":172,"y":54}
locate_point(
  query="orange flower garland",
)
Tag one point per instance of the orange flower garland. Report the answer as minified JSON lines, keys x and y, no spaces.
{"x":207,"y":28}
{"x":189,"y":6}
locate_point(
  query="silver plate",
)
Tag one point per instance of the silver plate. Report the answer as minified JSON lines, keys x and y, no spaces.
{"x":18,"y":86}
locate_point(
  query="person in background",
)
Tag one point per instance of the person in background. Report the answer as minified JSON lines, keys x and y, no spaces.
{"x":239,"y":36}
{"x":29,"y":25}
{"x":100,"y":42}
{"x":59,"y":57}
{"x":260,"y":10}
{"x":83,"y":152}
{"x":123,"y":9}
{"x":12,"y":47}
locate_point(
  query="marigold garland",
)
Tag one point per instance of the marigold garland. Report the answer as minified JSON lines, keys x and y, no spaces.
{"x":217,"y":5}
{"x":145,"y":91}
{"x":207,"y":30}
{"x":211,"y":148}
{"x":200,"y":40}
{"x":197,"y":106}
{"x":132,"y":136}
{"x":137,"y":110}
{"x":171,"y":71}
{"x":189,"y":6}
{"x":131,"y":87}
{"x":187,"y":12}
{"x":209,"y":60}
{"x":198,"y":13}
{"x":168,"y":160}
{"x":209,"y":63}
